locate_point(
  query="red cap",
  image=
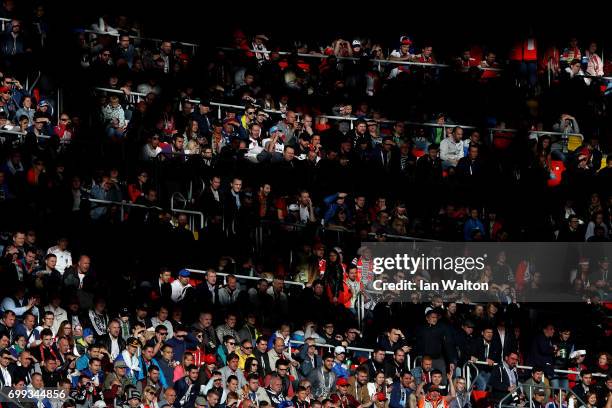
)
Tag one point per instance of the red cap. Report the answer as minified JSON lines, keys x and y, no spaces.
{"x":210,"y":359}
{"x":380,"y":396}
{"x":342,"y":381}
{"x":4,"y":89}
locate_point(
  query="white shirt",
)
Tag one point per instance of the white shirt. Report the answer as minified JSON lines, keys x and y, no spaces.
{"x":156,"y":322}
{"x":6,"y":376}
{"x":59,"y":315}
{"x":178,"y":290}
{"x":114,"y":351}
{"x":451,"y":150}
{"x":278,"y":148}
{"x":81,"y":277}
{"x":64,"y":258}
{"x":304,"y":214}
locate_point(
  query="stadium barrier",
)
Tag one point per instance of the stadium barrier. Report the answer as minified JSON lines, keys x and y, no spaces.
{"x":193,"y":46}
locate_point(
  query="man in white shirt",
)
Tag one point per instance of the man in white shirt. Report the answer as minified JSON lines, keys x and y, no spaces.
{"x":451,"y":148}
{"x":180,"y":286}
{"x":162,"y":318}
{"x":59,"y":314}
{"x":151,"y":149}
{"x":5,"y":360}
{"x":64,"y":257}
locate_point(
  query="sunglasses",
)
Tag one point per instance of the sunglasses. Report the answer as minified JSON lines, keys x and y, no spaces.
{"x":231,"y":344}
{"x":248,"y":348}
{"x":163,"y":333}
{"x":64,"y":119}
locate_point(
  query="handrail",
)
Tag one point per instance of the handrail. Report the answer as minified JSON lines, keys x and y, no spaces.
{"x":467,"y":373}
{"x":365,"y":350}
{"x":530,"y":368}
{"x":376,"y":61}
{"x":246,"y":277}
{"x":15,"y":132}
{"x":89,"y":31}
{"x":122,"y":204}
{"x":545,"y":387}
{"x":180,"y":211}
{"x":406,"y":238}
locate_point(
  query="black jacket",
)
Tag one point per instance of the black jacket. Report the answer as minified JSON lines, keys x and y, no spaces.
{"x":106,"y":341}
{"x":499,"y":381}
{"x":434,"y":341}
{"x":479,"y":348}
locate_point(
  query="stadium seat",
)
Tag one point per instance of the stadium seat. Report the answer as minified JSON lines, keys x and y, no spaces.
{"x":574,"y":141}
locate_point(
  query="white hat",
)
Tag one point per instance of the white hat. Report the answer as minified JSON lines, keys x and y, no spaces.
{"x":294,"y":207}
{"x":578,"y":353}
{"x":99,"y":404}
{"x":339,"y":350}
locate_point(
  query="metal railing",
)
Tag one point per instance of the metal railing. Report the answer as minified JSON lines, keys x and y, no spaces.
{"x":191,"y":215}
{"x":136,"y":37}
{"x":246,"y":277}
{"x":529,"y":396}
{"x":3,"y":23}
{"x":350,"y":348}
{"x":376,"y":61}
{"x":352,"y":119}
{"x":23,"y":134}
{"x":123,"y":204}
{"x":522,"y":367}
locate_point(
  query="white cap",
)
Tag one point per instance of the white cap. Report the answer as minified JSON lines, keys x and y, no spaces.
{"x":99,"y":404}
{"x":578,"y":353}
{"x":339,"y":350}
{"x":294,"y":207}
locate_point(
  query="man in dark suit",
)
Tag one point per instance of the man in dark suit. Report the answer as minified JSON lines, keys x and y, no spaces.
{"x":232,"y":203}
{"x":210,"y":201}
{"x":112,"y":340}
{"x":385,"y":157}
{"x":208,"y":290}
{"x":504,"y":378}
{"x":503,"y":339}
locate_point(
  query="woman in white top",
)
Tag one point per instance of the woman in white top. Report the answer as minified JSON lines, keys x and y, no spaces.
{"x":378,"y":388}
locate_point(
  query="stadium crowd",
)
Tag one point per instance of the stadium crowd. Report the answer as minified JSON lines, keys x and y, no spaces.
{"x":98,"y":302}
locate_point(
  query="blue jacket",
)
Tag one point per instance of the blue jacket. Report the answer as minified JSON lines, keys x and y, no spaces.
{"x":396,"y":396}
{"x":142,"y":374}
{"x":180,"y":346}
{"x":471,"y":225}
{"x":333,"y":207}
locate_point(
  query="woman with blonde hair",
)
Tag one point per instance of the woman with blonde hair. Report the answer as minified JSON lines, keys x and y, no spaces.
{"x":149,"y":397}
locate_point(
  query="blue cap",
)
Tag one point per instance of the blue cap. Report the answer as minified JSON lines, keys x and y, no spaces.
{"x":274,"y":129}
{"x":87,"y":332}
{"x":184,"y":273}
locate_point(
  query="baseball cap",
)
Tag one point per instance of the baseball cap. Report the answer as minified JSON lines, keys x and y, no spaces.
{"x":4,"y":89}
{"x":120,"y":364}
{"x":404,"y":40}
{"x":261,"y":37}
{"x":274,"y":129}
{"x":200,"y":400}
{"x":99,"y":404}
{"x":294,"y":207}
{"x":124,"y":311}
{"x":184,"y":273}
{"x":356,"y":43}
{"x":342,"y":381}
{"x":339,"y":350}
{"x":87,"y":332}
{"x":210,"y":359}
{"x":540,"y":391}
